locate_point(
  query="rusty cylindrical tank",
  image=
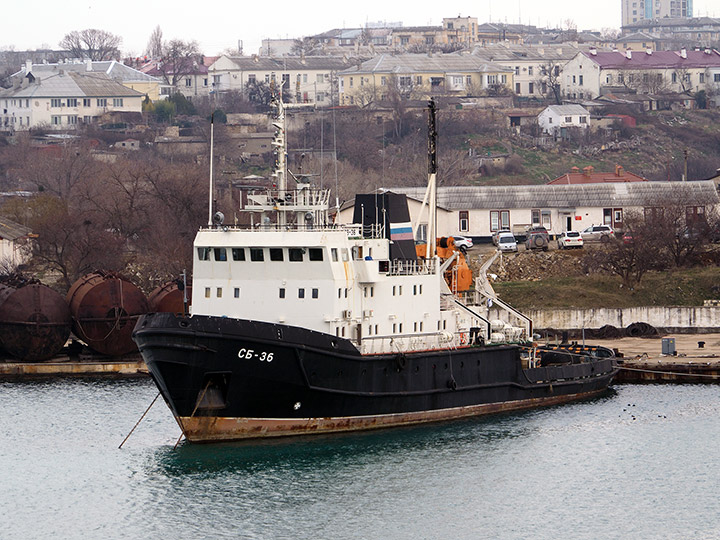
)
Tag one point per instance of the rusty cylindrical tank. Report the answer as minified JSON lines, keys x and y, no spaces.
{"x":168,"y":297}
{"x":105,"y":307}
{"x":34,"y":320}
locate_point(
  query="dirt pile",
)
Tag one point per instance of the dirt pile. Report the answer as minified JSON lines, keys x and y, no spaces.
{"x":538,"y":265}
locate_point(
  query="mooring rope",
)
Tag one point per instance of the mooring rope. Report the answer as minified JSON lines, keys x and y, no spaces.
{"x":138,"y":422}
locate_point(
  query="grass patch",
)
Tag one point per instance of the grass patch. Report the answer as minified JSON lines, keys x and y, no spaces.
{"x":686,"y":287}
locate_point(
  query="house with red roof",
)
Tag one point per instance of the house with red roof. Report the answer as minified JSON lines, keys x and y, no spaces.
{"x":588,"y":175}
{"x":590,"y":74}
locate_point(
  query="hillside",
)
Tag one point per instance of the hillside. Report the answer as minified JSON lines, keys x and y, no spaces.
{"x":554,"y":280}
{"x":654,"y":149}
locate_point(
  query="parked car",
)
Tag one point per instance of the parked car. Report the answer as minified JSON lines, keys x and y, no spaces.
{"x":463,"y":243}
{"x":570,"y":239}
{"x":507,"y":242}
{"x":597,"y":233}
{"x":537,"y":238}
{"x":629,"y":237}
{"x":498,"y":233}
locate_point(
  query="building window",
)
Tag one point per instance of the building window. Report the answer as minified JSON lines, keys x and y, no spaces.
{"x":72,"y":102}
{"x":517,"y":88}
{"x":568,"y":119}
{"x":583,"y":119}
{"x":72,"y":120}
{"x":86,"y":102}
{"x":117,"y":102}
{"x":102,"y":102}
{"x":418,"y":80}
{"x":530,"y":70}
{"x":531,"y":88}
{"x":56,"y":120}
{"x":54,"y":102}
{"x":188,"y":83}
{"x":464,"y":219}
{"x":499,"y":219}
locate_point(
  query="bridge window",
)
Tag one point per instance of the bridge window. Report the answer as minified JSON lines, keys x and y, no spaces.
{"x":282,"y":293}
{"x":334,"y":254}
{"x":315,"y":254}
{"x":315,"y":293}
{"x":301,"y":293}
{"x":203,"y":253}
{"x":276,"y":254}
{"x":220,"y":254}
{"x":295,"y":254}
{"x":257,"y":255}
{"x":238,"y":254}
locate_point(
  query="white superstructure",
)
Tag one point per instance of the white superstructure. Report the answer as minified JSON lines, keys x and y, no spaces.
{"x":294,"y":267}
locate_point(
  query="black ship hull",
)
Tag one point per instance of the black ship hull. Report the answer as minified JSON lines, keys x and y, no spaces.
{"x":227,"y":379}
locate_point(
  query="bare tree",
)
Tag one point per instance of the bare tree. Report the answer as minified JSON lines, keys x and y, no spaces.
{"x":179,"y":59}
{"x":549,"y":80}
{"x":92,"y":44}
{"x":365,"y":95}
{"x":304,"y":46}
{"x":70,"y":241}
{"x":628,"y":258}
{"x":154,"y":47}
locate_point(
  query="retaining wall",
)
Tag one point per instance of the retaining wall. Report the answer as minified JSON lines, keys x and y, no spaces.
{"x":671,"y":318}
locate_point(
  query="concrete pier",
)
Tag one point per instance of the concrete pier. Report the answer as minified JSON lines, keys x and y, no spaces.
{"x":127,"y":366}
{"x":697,"y":359}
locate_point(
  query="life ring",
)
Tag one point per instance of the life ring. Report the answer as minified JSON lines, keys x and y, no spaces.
{"x":463,"y":338}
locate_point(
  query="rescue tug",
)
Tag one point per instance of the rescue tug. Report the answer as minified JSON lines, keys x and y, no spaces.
{"x":301,"y":325}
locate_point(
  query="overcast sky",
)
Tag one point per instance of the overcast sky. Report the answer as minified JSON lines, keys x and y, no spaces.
{"x":220,"y":24}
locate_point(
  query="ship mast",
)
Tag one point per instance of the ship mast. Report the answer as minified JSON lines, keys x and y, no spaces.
{"x":432,"y":180}
{"x":278,"y":142}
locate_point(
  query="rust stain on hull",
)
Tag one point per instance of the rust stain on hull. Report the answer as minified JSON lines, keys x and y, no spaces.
{"x":215,"y":428}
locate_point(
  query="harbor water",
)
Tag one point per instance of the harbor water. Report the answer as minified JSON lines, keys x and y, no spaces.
{"x":640,"y":462}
